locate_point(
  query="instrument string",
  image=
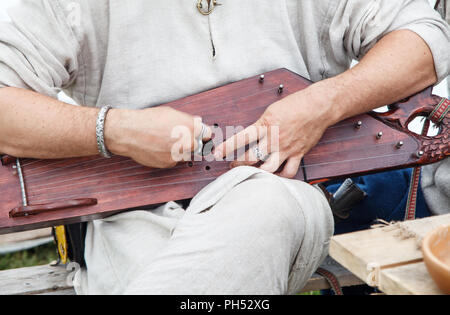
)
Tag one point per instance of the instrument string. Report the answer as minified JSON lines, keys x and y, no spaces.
{"x":124,"y":183}
{"x":89,"y":176}
{"x":341,"y":139}
{"x":90,"y":160}
{"x":311,"y":153}
{"x":87,"y":164}
{"x":76,"y":180}
{"x":30,"y":162}
{"x":84,"y":169}
{"x":355,"y":160}
{"x":147,"y":172}
{"x":127,"y":189}
{"x":49,"y":163}
{"x":98,"y":176}
{"x":98,"y":189}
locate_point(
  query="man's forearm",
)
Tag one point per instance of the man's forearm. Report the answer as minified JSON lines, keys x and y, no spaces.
{"x":33,"y":125}
{"x":398,"y":66}
{"x":36,"y":126}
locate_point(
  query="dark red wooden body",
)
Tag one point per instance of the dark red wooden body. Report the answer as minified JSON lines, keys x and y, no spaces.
{"x":119,"y":183}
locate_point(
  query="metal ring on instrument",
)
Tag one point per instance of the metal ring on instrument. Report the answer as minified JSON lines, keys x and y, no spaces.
{"x":199,"y":139}
{"x":259,"y":155}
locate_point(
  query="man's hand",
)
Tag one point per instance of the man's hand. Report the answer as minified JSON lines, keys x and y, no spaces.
{"x":300,"y":120}
{"x":398,"y":66}
{"x":149,"y":136}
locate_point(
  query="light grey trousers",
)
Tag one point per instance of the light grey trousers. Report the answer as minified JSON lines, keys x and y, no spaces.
{"x":248,"y":232}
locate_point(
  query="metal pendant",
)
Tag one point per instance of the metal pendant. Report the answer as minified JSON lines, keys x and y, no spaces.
{"x":210,"y":8}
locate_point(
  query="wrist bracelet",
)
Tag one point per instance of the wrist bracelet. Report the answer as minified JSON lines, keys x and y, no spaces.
{"x":100,"y":132}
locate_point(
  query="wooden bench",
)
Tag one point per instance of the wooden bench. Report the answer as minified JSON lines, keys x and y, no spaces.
{"x":52,"y":280}
{"x":390,"y":257}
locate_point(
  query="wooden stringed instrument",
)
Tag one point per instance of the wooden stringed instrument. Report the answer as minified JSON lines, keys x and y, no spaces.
{"x":43,"y":193}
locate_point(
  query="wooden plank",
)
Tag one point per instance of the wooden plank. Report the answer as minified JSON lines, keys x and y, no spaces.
{"x":411,"y":279}
{"x":33,"y":280}
{"x":49,"y":280}
{"x":357,"y":251}
{"x":391,"y":250}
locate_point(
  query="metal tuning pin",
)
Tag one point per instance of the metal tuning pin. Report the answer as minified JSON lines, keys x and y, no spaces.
{"x":399,"y":145}
{"x":280,"y":89}
{"x":261,"y":78}
{"x":359,"y":124}
{"x":420,"y":154}
{"x":379,"y":135}
{"x":15,"y":173}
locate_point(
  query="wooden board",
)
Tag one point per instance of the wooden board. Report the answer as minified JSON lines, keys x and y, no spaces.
{"x":52,"y":280}
{"x":392,"y":251}
{"x":411,"y":279}
{"x":34,"y":280}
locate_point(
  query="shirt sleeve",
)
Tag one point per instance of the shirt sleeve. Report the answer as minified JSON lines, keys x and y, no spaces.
{"x":359,"y":24}
{"x":38,"y":48}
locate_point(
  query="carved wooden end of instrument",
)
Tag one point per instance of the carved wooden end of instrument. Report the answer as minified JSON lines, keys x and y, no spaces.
{"x":66,"y":191}
{"x":432,"y":149}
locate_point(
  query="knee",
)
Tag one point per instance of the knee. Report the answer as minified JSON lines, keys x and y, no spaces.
{"x":264,"y":203}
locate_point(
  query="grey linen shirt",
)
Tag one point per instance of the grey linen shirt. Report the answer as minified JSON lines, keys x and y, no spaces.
{"x":140,"y":53}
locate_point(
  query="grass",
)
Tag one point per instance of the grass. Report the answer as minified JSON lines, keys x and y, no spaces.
{"x":311,"y":293}
{"x":33,"y":257}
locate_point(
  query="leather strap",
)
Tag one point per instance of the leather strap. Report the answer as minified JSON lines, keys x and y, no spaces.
{"x":440,"y":112}
{"x":332,"y":280}
{"x":437,"y":116}
{"x":411,"y":205}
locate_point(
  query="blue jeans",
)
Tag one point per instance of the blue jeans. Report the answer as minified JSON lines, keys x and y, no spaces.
{"x":387,"y":197}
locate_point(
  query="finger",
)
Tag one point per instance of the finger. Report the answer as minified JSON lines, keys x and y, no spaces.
{"x":250,"y":158}
{"x":205,"y":133}
{"x":200,"y":130}
{"x":246,"y":159}
{"x":239,"y":140}
{"x":291,"y":168}
{"x":274,"y":162}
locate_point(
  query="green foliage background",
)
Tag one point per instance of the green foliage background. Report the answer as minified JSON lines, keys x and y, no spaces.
{"x":33,"y":257}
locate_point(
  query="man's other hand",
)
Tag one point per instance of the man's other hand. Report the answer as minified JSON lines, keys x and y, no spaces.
{"x":149,"y":136}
